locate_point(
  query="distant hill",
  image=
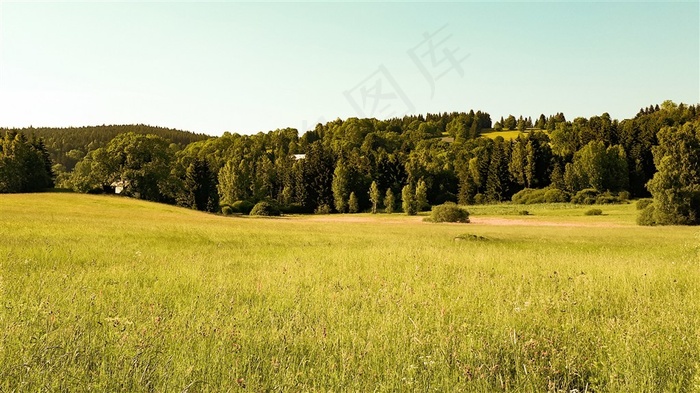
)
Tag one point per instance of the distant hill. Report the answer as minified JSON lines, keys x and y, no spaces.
{"x":68,"y":145}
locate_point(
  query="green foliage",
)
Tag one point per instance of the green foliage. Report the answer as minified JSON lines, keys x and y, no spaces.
{"x":590,"y":196}
{"x":353,"y":203}
{"x":139,"y":163}
{"x":449,"y":212}
{"x":317,"y":176}
{"x":676,"y":185}
{"x":648,"y":217}
{"x":529,"y":196}
{"x":200,"y":187}
{"x":523,"y":213}
{"x":422,"y":196}
{"x":510,"y":123}
{"x":340,"y":187}
{"x":67,"y":146}
{"x":389,"y":201}
{"x":643,"y":203}
{"x":374,"y":196}
{"x":597,"y":167}
{"x":264,"y":208}
{"x":326,"y":164}
{"x":226,"y":210}
{"x":408,"y":200}
{"x":323,"y":209}
{"x":586,"y":196}
{"x":243,"y":207}
{"x":554,"y":195}
{"x":471,"y":238}
{"x":593,"y":212}
{"x":498,"y":186}
{"x":25,"y":166}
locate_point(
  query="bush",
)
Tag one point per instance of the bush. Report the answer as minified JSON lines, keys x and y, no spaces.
{"x":226,"y":210}
{"x":624,"y":196}
{"x":265,"y":209}
{"x":593,"y":212}
{"x":644,"y":203}
{"x":556,"y":195}
{"x":323,"y":209}
{"x":647,"y":216}
{"x":470,"y":237}
{"x":585,"y":197}
{"x":449,"y":212}
{"x":293,"y":208}
{"x":528,"y":196}
{"x":608,"y":199}
{"x":243,"y":207}
{"x":524,"y":213}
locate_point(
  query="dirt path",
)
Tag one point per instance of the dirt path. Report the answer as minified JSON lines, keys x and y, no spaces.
{"x":492,"y":221}
{"x":538,"y":223}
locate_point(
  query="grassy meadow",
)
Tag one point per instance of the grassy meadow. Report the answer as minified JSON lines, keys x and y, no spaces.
{"x":105,"y":293}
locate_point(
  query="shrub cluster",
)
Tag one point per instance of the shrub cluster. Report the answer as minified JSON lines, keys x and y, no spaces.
{"x":226,"y":210}
{"x":644,"y":203}
{"x":323,"y":209}
{"x":265,"y":209}
{"x":449,"y":212}
{"x":591,"y":196}
{"x":242,"y":207}
{"x":593,"y":212}
{"x":529,"y":196}
{"x":648,"y":215}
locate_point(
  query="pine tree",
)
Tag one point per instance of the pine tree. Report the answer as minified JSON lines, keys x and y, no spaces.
{"x":200,"y":187}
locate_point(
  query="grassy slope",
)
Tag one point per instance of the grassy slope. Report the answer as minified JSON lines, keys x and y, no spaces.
{"x":109,"y":294}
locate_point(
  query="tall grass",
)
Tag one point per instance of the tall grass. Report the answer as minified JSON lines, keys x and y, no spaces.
{"x":112,"y":294}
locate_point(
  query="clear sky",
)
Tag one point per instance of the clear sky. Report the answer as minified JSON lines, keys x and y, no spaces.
{"x":248,"y":67}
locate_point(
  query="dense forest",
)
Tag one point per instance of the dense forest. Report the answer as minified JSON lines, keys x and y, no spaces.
{"x":67,"y":146}
{"x":365,"y":164}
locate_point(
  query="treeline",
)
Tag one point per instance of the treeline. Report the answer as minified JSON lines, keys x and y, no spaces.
{"x":411,"y":162}
{"x":67,"y":146}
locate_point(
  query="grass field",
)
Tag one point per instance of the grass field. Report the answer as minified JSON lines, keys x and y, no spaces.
{"x":112,"y":294}
{"x":507,"y":135}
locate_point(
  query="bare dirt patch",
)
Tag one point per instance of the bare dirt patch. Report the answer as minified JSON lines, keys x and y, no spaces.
{"x":364,"y":219}
{"x":539,"y":223}
{"x":491,"y":221}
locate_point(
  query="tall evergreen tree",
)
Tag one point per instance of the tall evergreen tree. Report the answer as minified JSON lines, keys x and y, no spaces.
{"x":200,"y":187}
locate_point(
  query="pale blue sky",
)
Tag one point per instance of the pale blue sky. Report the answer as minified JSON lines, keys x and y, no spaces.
{"x":245,"y":67}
